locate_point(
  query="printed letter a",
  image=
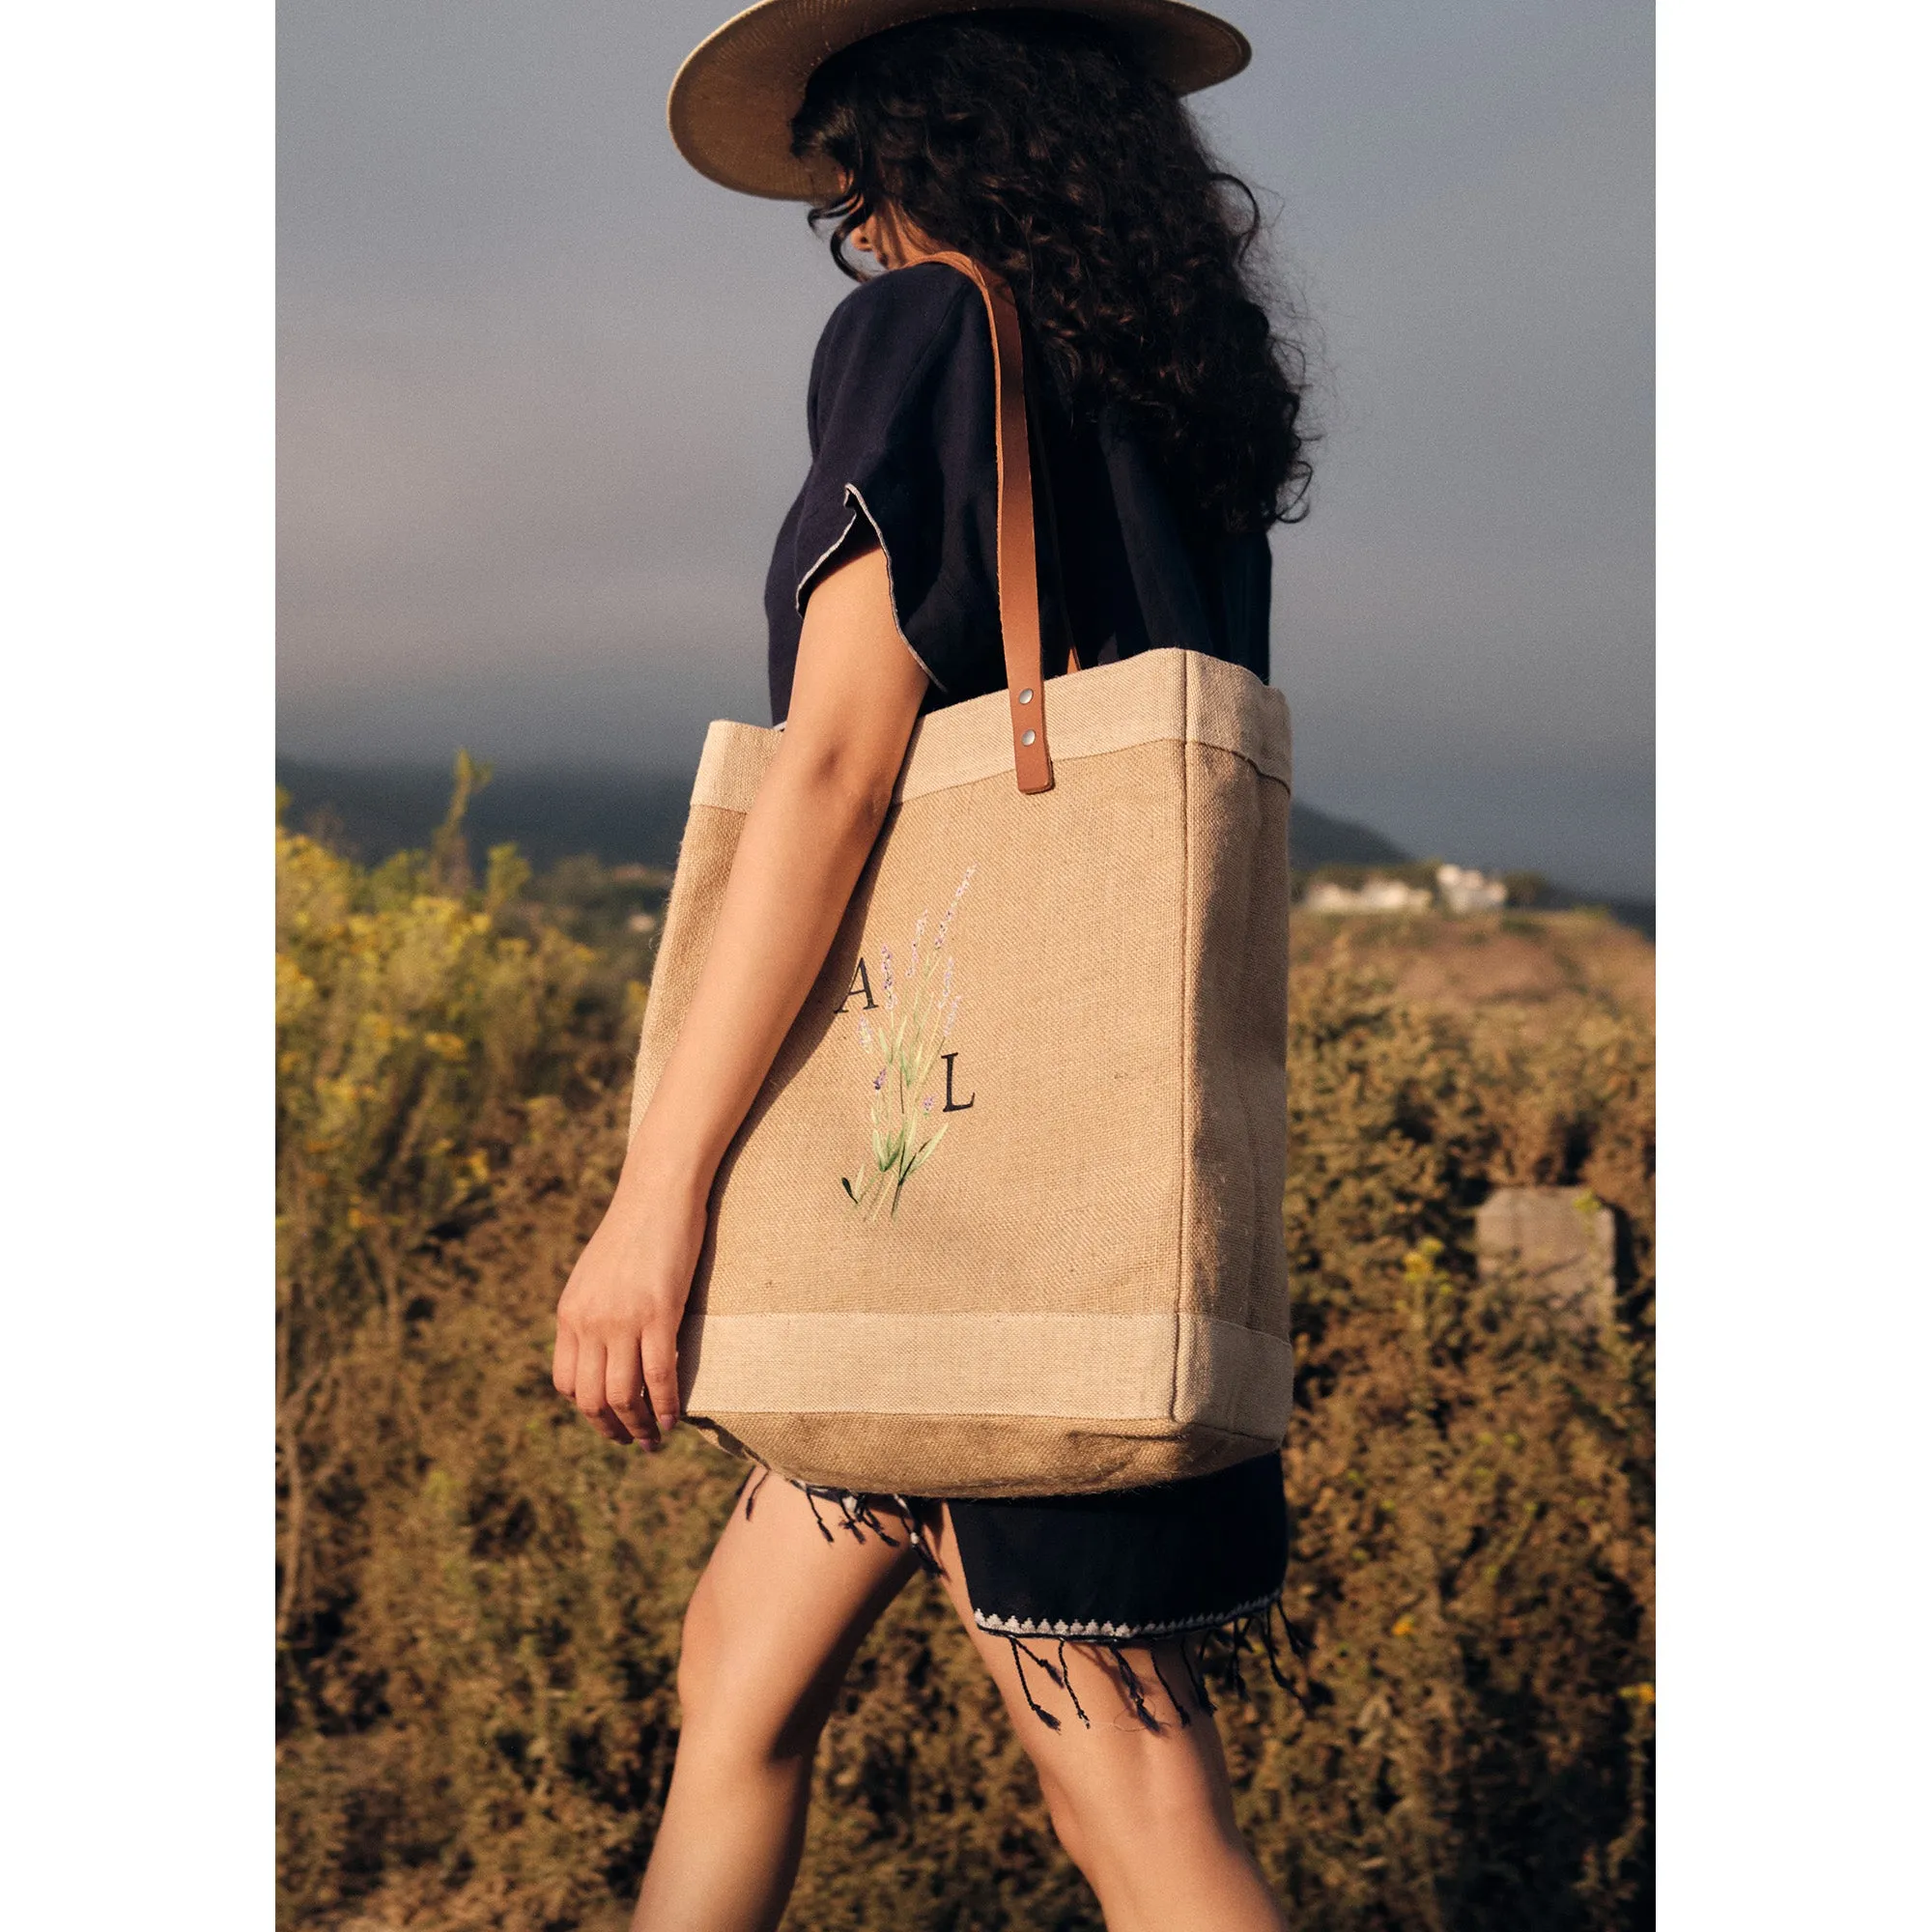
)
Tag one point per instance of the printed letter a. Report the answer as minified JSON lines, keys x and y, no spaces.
{"x":860,"y":984}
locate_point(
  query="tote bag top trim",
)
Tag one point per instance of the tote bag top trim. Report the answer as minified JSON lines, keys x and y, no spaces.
{"x":1175,"y":695}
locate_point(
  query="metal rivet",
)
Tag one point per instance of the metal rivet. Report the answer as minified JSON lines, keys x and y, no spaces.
{"x":1026,"y":737}
{"x":1026,"y":697}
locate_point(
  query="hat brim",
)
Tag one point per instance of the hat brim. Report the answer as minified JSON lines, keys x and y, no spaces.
{"x":734,"y":98}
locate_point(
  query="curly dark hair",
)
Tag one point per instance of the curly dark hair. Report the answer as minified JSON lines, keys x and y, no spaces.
{"x":1034,"y":142}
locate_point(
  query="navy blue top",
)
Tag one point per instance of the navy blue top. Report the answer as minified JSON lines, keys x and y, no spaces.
{"x":900,"y":414}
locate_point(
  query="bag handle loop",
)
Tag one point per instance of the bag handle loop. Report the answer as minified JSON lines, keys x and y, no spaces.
{"x":1018,"y":564}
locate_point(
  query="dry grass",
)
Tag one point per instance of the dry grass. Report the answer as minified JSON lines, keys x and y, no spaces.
{"x":1547,"y":967}
{"x":480,"y":1598}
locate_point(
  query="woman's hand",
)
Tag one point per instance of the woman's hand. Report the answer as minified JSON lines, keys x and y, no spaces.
{"x":617,"y":1322}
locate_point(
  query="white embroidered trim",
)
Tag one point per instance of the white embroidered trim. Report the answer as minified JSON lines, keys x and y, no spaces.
{"x":853,"y":494}
{"x":1115,"y":1632}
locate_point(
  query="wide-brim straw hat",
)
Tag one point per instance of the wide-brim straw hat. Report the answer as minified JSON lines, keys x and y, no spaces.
{"x":733,"y":102}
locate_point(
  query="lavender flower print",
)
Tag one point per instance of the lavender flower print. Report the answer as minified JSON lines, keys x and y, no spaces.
{"x":903,"y":1047}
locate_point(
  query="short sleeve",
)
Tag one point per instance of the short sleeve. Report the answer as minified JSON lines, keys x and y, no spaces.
{"x":901,"y":413}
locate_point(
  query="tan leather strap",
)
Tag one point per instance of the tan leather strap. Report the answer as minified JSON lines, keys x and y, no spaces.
{"x":1018,"y":566}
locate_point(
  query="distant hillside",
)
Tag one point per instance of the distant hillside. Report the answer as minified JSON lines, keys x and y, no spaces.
{"x":636,"y":818}
{"x":371,"y":810}
{"x":1314,"y":840}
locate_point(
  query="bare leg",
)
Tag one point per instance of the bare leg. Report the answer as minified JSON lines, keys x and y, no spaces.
{"x":1148,"y":1818}
{"x":770,"y":1631}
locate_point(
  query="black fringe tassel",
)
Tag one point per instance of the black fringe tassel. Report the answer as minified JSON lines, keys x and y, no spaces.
{"x":857,"y":1516}
{"x":1251,"y":1636}
{"x":1020,"y":1654}
{"x":1130,"y":1683}
{"x":753,"y":1482}
{"x":1066,"y":1678}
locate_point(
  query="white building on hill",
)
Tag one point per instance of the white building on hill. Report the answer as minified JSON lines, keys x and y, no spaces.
{"x":1458,"y":889}
{"x":1371,"y":895}
{"x":1463,"y":888}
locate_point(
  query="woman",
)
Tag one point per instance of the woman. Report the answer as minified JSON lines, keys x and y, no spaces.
{"x":1048,"y":145}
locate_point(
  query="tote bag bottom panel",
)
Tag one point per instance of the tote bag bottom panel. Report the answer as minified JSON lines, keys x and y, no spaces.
{"x":969,"y":1457}
{"x":1153,"y":1370}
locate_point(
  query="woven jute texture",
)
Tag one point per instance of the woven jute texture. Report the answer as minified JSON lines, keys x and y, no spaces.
{"x":1005,"y":1218}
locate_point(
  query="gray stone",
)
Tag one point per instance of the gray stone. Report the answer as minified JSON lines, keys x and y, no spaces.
{"x":1557,"y":1242}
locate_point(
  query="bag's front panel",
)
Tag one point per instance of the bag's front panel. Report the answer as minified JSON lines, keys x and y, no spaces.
{"x":979,"y":1111}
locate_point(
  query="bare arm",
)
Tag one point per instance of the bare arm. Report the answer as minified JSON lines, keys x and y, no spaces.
{"x":855,"y":699}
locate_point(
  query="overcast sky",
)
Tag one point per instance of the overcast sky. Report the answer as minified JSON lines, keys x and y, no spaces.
{"x":543,"y":389}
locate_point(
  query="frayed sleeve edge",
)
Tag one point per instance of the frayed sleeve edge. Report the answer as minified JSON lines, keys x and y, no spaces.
{"x":855,"y":502}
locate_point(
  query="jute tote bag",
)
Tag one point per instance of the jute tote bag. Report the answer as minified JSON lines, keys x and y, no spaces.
{"x":1005,"y":1218}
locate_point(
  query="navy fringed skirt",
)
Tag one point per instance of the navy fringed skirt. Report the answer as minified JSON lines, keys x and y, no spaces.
{"x":1154,"y":1568}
